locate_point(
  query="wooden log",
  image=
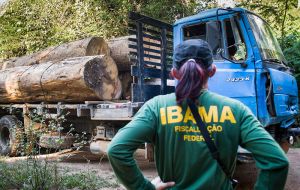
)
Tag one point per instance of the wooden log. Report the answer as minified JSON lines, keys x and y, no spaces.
{"x":72,"y":80}
{"x":117,"y":48}
{"x":119,"y":51}
{"x":126,"y":80}
{"x":85,"y":47}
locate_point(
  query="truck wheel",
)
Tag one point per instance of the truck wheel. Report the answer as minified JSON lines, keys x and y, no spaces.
{"x":292,"y":140}
{"x":11,"y":135}
{"x":285,"y":146}
{"x":56,"y":141}
{"x":246,"y":174}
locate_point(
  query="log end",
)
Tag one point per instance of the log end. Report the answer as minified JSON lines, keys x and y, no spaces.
{"x":101,"y":75}
{"x":97,"y":46}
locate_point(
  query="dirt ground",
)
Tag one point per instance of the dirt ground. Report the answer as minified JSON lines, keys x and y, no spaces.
{"x":293,"y":182}
{"x":104,"y":170}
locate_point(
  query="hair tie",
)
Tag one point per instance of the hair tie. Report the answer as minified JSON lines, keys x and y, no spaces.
{"x":192,"y":60}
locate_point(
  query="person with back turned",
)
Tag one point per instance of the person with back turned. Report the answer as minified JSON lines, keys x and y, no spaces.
{"x":183,"y":159}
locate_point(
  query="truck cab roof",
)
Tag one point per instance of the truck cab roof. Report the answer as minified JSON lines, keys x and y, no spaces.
{"x":209,"y":13}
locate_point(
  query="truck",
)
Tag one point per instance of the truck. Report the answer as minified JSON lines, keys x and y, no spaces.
{"x":250,"y":68}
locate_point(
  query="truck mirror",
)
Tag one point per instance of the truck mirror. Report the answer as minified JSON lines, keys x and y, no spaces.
{"x":213,"y":36}
{"x":220,"y":53}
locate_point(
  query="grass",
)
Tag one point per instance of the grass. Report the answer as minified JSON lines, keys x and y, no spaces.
{"x":297,"y":143}
{"x":43,"y":175}
{"x":86,"y":180}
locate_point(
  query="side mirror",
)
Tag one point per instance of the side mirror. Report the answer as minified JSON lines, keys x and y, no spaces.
{"x":220,"y":52}
{"x":213,"y":36}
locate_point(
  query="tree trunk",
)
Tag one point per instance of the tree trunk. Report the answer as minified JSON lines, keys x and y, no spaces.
{"x":85,"y":47}
{"x":72,"y":80}
{"x":126,"y":80}
{"x":117,"y":48}
{"x":119,"y":51}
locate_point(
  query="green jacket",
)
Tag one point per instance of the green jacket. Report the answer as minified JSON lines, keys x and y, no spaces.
{"x":181,"y":154}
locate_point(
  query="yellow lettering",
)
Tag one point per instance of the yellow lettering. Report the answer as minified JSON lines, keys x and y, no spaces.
{"x":214,"y":128}
{"x":193,"y":129}
{"x":201,"y":138}
{"x":163,"y":117}
{"x":183,"y":128}
{"x":211,"y":115}
{"x":186,"y":129}
{"x":189,"y":116}
{"x":209,"y":128}
{"x":185,"y":137}
{"x":193,"y":138}
{"x":227,"y":115}
{"x":174,"y":114}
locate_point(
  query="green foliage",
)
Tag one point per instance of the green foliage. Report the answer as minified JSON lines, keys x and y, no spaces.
{"x":292,"y":55}
{"x":291,"y":49}
{"x":289,"y":40}
{"x":36,"y":175}
{"x":31,"y":25}
{"x":168,"y":10}
{"x":31,"y":175}
{"x":297,"y":143}
{"x":286,"y":26}
{"x":274,"y":13}
{"x":86,"y":180}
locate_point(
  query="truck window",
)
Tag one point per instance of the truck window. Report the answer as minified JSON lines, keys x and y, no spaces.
{"x":199,"y":31}
{"x":235,"y":43}
{"x":236,"y":48}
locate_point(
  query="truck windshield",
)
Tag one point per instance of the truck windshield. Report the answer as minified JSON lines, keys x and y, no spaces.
{"x":266,"y":41}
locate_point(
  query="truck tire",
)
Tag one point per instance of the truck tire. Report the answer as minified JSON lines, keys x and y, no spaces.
{"x":11,"y":135}
{"x":56,"y":141}
{"x":246,"y":174}
{"x":285,"y":145}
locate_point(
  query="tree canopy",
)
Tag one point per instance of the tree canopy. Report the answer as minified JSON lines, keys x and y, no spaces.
{"x":30,"y":25}
{"x":27,"y":26}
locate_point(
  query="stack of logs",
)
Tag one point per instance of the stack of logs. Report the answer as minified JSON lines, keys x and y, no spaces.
{"x":84,"y":70}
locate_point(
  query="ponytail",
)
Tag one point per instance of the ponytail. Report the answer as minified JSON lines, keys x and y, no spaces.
{"x":191,"y":82}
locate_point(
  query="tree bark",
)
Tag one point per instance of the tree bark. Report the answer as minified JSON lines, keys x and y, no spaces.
{"x":119,"y":51}
{"x":72,"y":80}
{"x":117,"y":48}
{"x":126,"y":80}
{"x":85,"y":47}
{"x":283,"y":21}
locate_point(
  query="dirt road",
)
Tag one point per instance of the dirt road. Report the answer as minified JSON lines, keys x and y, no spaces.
{"x":103,"y":168}
{"x":293,"y":182}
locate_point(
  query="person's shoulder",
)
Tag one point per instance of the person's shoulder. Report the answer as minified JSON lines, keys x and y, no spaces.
{"x":164,"y":98}
{"x":223,"y":100}
{"x":161,"y":100}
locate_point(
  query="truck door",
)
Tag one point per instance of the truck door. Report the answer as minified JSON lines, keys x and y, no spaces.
{"x":235,"y":76}
{"x":281,"y":87}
